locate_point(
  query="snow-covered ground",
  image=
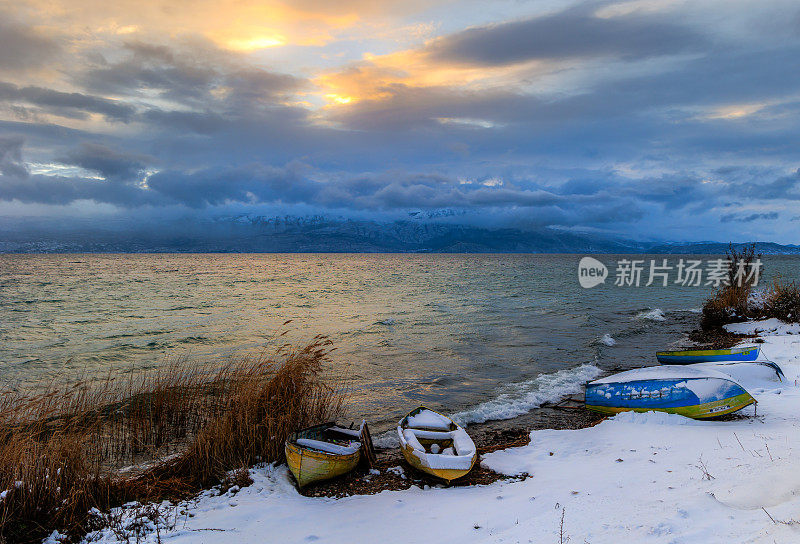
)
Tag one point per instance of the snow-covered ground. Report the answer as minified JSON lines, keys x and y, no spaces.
{"x":640,"y":478}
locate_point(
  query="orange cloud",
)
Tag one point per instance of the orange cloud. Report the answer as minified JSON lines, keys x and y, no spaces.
{"x":240,"y":25}
{"x":377,"y":76}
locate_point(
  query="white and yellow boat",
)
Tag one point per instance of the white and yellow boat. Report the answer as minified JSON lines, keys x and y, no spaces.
{"x":434,"y":443}
{"x":322,"y":452}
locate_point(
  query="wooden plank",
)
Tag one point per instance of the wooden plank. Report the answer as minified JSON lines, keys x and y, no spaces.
{"x":367,"y":449}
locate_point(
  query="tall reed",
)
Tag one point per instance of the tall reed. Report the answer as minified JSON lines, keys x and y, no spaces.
{"x":182,"y":426}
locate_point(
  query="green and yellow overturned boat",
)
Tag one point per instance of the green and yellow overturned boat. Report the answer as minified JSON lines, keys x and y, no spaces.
{"x":690,"y":356}
{"x":692,"y":392}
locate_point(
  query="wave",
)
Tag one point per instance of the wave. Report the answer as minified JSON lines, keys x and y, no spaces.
{"x":519,"y":398}
{"x":388,"y":321}
{"x":607,"y":340}
{"x":656,"y":314}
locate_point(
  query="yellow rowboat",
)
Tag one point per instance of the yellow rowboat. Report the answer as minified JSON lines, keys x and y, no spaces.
{"x":434,"y":443}
{"x":323,"y":451}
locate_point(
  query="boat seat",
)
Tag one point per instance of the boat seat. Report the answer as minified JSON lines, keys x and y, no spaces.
{"x":350,"y":432}
{"x":432,"y":435}
{"x":411,"y":438}
{"x":462,"y":443}
{"x":427,"y":419}
{"x":328,"y":447}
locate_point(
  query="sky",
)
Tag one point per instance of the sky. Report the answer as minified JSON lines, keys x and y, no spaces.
{"x":651,"y":119}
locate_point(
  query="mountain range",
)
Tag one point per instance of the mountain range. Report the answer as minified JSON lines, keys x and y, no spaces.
{"x":420,"y":233}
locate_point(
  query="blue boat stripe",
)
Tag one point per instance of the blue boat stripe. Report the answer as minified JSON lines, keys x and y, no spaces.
{"x":641,"y":393}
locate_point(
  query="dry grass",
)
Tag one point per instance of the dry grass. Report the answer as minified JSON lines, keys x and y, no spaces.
{"x":782,"y":300}
{"x":734,"y":302}
{"x":731,"y":302}
{"x":60,"y":449}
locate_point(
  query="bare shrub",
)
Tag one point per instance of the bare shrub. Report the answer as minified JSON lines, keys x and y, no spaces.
{"x":731,"y":301}
{"x":782,"y":301}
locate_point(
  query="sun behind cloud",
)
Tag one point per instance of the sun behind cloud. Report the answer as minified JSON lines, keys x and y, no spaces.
{"x":255,"y":43}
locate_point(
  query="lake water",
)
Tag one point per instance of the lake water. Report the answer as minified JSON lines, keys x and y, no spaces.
{"x":484,"y":336}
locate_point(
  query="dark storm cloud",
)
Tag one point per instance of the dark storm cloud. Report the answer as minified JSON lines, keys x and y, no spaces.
{"x":784,"y":188}
{"x":153,"y":69}
{"x":200,"y":122}
{"x":18,"y":184}
{"x":652,"y":101}
{"x":576,"y":32}
{"x":396,"y":190}
{"x":111,"y":164}
{"x":252,"y":183}
{"x":692,"y":194}
{"x":22,"y":47}
{"x":11,"y":164}
{"x":68,"y":104}
{"x":288,"y":185}
{"x":186,"y":77}
{"x":770,"y":216}
{"x":488,"y":201}
{"x":60,"y":190}
{"x":291,"y":184}
{"x":254,"y":86}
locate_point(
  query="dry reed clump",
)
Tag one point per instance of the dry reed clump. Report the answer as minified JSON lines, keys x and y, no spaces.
{"x":255,"y":418}
{"x":731,"y":303}
{"x":60,"y":450}
{"x":782,"y":301}
{"x":734,"y":300}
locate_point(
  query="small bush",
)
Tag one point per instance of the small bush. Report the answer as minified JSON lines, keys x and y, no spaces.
{"x":782,"y":301}
{"x":731,"y":302}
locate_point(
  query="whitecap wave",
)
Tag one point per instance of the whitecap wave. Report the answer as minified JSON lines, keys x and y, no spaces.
{"x":519,"y":398}
{"x":607,"y":340}
{"x":656,"y":314}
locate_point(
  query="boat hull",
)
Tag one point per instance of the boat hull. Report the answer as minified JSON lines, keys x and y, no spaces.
{"x":687,"y":357}
{"x":443,"y":473}
{"x":309,"y":466}
{"x":697,"y":398}
{"x":447,"y":468}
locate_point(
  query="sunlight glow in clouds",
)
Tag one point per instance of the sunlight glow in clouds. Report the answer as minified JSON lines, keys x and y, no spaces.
{"x":602,"y":115}
{"x":253,"y":44}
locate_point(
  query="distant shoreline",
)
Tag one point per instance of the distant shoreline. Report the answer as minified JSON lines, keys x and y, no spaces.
{"x":790,"y":252}
{"x":294,"y":234}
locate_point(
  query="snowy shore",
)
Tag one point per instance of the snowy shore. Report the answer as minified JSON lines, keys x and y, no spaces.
{"x":645,"y":478}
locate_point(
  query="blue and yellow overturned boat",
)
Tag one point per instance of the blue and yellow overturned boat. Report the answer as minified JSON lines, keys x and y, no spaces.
{"x":691,"y":392}
{"x":690,"y":356}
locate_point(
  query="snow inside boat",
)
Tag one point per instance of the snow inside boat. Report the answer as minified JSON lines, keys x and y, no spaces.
{"x":692,"y":392}
{"x":434,"y":443}
{"x":689,"y":356}
{"x":322,"y":452}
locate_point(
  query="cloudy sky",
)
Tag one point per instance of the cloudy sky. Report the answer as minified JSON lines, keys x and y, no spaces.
{"x":655,"y":119}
